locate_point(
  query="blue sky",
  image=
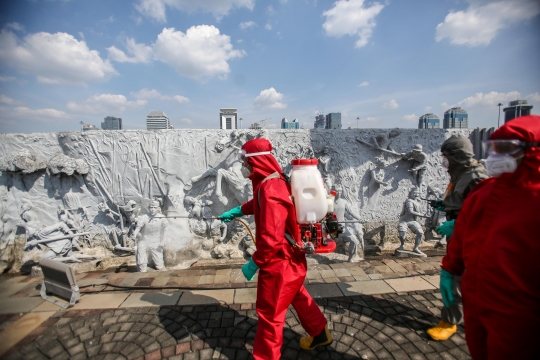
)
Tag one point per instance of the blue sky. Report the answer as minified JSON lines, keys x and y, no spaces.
{"x":385,"y":62}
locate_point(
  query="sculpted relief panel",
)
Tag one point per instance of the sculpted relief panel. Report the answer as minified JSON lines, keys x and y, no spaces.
{"x":93,"y":196}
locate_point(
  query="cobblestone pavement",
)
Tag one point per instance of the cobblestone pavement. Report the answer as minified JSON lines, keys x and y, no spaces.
{"x":389,"y":326}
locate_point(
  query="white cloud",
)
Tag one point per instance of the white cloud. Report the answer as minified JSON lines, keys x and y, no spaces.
{"x":53,"y":58}
{"x":180,"y":99}
{"x":411,"y":118}
{"x":490,"y":99}
{"x":139,"y":52}
{"x":352,"y":18}
{"x":268,"y":26}
{"x":155,"y":9}
{"x":534,"y":97}
{"x":15,"y":26}
{"x":392,"y":104}
{"x":104,"y":103}
{"x":186,"y":121}
{"x":6,"y":100}
{"x":247,"y":24}
{"x":427,"y":108}
{"x":201,"y":52}
{"x":147,"y":94}
{"x":480,"y":23}
{"x":363,"y":83}
{"x":269,"y":99}
{"x":154,"y":94}
{"x":7,"y":78}
{"x":270,"y":10}
{"x":24,"y":114}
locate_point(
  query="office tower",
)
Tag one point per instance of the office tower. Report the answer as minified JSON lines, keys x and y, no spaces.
{"x":455,"y":118}
{"x":290,"y":125}
{"x":516,"y":109}
{"x":111,"y":123}
{"x":333,"y":121}
{"x":157,"y":120}
{"x":429,"y":121}
{"x":228,"y":119}
{"x":320,"y":121}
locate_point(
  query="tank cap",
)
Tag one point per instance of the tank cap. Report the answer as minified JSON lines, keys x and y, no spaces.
{"x":304,"y":161}
{"x":333,"y":192}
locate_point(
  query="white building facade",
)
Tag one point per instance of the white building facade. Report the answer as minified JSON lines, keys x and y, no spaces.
{"x":157,"y":120}
{"x":228,"y":118}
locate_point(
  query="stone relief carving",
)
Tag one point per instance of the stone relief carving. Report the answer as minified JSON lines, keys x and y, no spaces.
{"x":99,"y":182}
{"x":419,"y":162}
{"x":408,"y":219}
{"x":353,"y":233}
{"x":153,"y":230}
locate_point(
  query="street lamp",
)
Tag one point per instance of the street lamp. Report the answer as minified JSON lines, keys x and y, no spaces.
{"x":498,"y":120}
{"x":357,"y":120}
{"x":240,"y":122}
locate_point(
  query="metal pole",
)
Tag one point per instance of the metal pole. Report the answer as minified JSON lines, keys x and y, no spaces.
{"x":499,"y":119}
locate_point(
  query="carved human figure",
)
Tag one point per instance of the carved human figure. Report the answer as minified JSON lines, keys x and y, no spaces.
{"x":153,"y":230}
{"x":437,"y":217}
{"x":354,"y":235}
{"x":384,"y":141}
{"x":419,"y":162}
{"x":376,"y":182}
{"x":408,"y":219}
{"x":233,"y":177}
{"x":58,"y":238}
{"x":325,"y":159}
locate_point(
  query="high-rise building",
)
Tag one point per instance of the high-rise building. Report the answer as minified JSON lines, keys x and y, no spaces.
{"x":157,"y":120}
{"x":290,"y":125}
{"x":333,"y":121}
{"x":429,"y":121}
{"x":112,"y":123}
{"x":455,"y":118}
{"x":228,"y":119}
{"x":320,"y":121}
{"x":516,"y":109}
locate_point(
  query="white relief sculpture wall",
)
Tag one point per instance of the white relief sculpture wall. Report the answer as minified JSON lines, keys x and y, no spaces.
{"x":85,"y":190}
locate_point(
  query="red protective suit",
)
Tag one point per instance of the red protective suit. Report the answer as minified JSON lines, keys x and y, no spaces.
{"x":496,"y":246}
{"x":282,"y":269}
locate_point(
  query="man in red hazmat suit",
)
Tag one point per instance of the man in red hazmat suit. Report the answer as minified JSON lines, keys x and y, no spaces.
{"x":282,"y":266}
{"x":495,"y":246}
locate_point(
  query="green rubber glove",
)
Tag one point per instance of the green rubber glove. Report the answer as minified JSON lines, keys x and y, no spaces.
{"x":446,"y":228}
{"x":227,"y":216}
{"x":249,"y":269}
{"x":437,"y":204}
{"x":447,"y":282}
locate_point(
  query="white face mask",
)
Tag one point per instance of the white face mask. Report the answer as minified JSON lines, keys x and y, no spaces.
{"x":496,"y":164}
{"x":245,"y":172}
{"x":444,"y":162}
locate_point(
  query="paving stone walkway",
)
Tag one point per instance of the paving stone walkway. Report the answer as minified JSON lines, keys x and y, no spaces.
{"x":388,"y":326}
{"x":376,"y":309}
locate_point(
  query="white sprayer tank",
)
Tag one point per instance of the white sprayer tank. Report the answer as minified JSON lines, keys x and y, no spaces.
{"x":308,"y":191}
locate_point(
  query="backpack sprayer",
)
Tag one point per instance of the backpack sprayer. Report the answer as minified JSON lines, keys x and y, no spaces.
{"x":319,"y":225}
{"x":318,"y":222}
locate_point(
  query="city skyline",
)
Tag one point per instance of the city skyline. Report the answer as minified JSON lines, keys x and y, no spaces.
{"x":381,"y":64}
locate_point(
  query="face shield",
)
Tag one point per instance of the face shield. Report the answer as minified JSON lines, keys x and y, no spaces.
{"x":505,"y":147}
{"x":243,"y":155}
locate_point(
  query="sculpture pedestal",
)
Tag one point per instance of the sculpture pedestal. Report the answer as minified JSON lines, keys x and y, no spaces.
{"x":408,"y":253}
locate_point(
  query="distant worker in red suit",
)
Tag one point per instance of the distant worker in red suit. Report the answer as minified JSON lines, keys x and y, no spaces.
{"x":282,"y":266}
{"x":496,"y":246}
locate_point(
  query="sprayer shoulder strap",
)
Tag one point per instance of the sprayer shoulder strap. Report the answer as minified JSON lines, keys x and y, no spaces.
{"x":275,"y":175}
